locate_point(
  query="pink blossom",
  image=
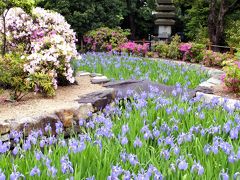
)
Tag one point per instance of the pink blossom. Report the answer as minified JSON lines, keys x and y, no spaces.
{"x":50,"y":38}
{"x":185,"y":47}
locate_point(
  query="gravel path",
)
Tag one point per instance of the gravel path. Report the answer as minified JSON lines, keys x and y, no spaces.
{"x":35,"y":105}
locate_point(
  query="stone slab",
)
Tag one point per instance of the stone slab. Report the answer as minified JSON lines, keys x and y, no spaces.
{"x":207,"y":98}
{"x":214,"y":81}
{"x":95,"y":74}
{"x":83,"y":74}
{"x":99,"y":99}
{"x":99,"y":80}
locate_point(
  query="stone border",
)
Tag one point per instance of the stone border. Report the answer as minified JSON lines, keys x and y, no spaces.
{"x":214,"y":80}
{"x":69,"y":115}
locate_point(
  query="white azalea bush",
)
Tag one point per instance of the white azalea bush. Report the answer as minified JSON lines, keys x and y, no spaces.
{"x":47,"y":46}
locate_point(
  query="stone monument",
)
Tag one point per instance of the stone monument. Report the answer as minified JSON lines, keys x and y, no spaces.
{"x":164,"y":18}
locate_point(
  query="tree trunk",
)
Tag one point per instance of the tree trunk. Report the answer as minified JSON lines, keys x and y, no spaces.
{"x":216,"y":21}
{"x":4,"y":35}
{"x":131,"y":19}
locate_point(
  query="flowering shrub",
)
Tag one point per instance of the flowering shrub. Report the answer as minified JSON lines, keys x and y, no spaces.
{"x":192,"y":52}
{"x":185,"y":49}
{"x":232,"y":76}
{"x":105,"y":39}
{"x":134,"y":48}
{"x":212,"y":58}
{"x":48,"y":45}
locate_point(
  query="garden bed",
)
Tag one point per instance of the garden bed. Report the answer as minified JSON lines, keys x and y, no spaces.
{"x":145,"y":135}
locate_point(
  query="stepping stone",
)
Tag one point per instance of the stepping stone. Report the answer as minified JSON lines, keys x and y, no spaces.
{"x":95,"y":74}
{"x":203,"y":89}
{"x":214,"y":81}
{"x":99,"y":80}
{"x":123,"y":88}
{"x":207,"y":98}
{"x":4,"y":138}
{"x":4,"y":128}
{"x":83,"y":74}
{"x":99,"y":99}
{"x":206,"y":84}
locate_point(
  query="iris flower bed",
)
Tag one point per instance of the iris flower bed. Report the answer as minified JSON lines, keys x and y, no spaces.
{"x":130,"y":67}
{"x":147,"y":136}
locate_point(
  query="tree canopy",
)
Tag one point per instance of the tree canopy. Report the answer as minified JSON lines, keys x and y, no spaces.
{"x":87,"y":15}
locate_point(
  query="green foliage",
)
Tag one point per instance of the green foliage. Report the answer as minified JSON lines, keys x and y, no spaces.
{"x":24,"y":4}
{"x":201,"y":35}
{"x":233,"y":34}
{"x":232,"y":77}
{"x":13,"y":76}
{"x":162,"y":49}
{"x":173,"y":51}
{"x":86,"y":15}
{"x":197,"y":52}
{"x":43,"y":82}
{"x":105,"y":39}
{"x":150,"y":54}
{"x":169,"y":50}
{"x":237,"y":54}
{"x":193,"y":15}
{"x":131,"y":67}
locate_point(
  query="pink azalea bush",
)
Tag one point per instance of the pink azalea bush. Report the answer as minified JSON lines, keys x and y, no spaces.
{"x":46,"y":42}
{"x":192,"y":52}
{"x":105,"y":39}
{"x":232,"y":76}
{"x":134,"y":48}
{"x":212,"y":58}
{"x":185,"y":49}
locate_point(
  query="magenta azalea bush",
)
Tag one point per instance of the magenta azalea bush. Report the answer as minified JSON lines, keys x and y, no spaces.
{"x":134,"y":48}
{"x":105,"y":39}
{"x":185,"y":49}
{"x":47,"y":45}
{"x":192,"y":52}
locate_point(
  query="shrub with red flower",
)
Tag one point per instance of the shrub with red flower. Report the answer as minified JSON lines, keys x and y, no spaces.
{"x":185,"y":49}
{"x":134,"y":48}
{"x":192,"y":52}
{"x":105,"y":39}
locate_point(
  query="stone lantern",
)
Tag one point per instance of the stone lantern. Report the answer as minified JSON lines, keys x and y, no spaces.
{"x":164,"y":18}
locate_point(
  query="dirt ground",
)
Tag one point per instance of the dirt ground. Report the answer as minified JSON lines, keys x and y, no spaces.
{"x":35,"y":104}
{"x":222,"y":90}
